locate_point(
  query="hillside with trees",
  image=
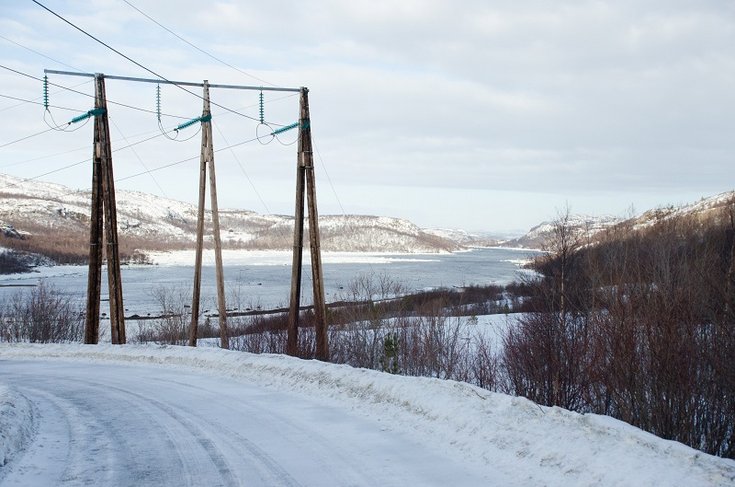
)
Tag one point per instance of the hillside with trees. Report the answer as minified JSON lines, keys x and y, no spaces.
{"x":636,"y":322}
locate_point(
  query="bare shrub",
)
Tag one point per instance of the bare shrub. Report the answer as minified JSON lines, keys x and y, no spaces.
{"x":172,"y":327}
{"x":372,"y":330}
{"x":547,"y":358}
{"x":638,"y":326}
{"x":484,"y":365}
{"x":262,"y":342}
{"x":42,"y":315}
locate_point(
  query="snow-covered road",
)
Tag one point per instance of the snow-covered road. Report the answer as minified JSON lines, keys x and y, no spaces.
{"x":127,"y":425}
{"x":148,"y":415}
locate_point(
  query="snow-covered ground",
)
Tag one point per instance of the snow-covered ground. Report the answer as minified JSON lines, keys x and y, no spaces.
{"x":106,"y":415}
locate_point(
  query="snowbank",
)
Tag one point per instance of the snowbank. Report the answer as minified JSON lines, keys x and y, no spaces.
{"x":520,"y":442}
{"x":16,"y":423}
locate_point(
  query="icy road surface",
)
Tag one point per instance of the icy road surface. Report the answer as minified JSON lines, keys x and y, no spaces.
{"x":124,"y":425}
{"x":174,"y":416}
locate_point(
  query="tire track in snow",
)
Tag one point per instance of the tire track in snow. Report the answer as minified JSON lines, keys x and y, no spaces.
{"x":182,"y":433}
{"x":192,"y":466}
{"x":208,"y":443}
{"x":263,"y":435}
{"x":66,"y":437}
{"x":343,"y":463}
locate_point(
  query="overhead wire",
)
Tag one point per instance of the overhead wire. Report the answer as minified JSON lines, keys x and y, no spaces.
{"x":39,"y":53}
{"x":25,"y":138}
{"x":281,"y":230}
{"x":127,"y":106}
{"x":86,"y":147}
{"x":69,"y":166}
{"x":21,"y":73}
{"x":242,"y":168}
{"x":150,"y":171}
{"x":135,"y":153}
{"x":348,"y":221}
{"x":17,"y":163}
{"x":212,"y":56}
{"x":140,"y":65}
{"x":182,"y":161}
{"x":25,"y":101}
{"x":60,"y":127}
{"x":86,"y":160}
{"x":329,"y":179}
{"x":88,"y":95}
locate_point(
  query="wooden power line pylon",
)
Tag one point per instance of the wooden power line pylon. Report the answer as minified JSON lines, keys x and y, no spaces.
{"x":305,"y":182}
{"x":103,"y":191}
{"x":206,"y":161}
{"x":103,"y":214}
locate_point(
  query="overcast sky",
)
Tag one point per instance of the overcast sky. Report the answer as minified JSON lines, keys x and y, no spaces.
{"x":481,"y":115}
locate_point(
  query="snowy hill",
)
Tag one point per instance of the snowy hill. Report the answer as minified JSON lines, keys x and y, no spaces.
{"x":703,"y":210}
{"x":276,"y":420}
{"x":32,"y":208}
{"x":465,"y":238}
{"x":538,"y":236}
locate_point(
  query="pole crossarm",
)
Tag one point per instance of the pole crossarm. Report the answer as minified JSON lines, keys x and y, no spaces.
{"x":178,"y":83}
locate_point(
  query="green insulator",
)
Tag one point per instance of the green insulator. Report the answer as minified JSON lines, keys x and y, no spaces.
{"x":262,"y":110}
{"x":187,"y":124}
{"x":205,"y":118}
{"x":79,"y":118}
{"x":45,"y":92}
{"x":95,"y":112}
{"x":285,"y":128}
{"x":158,"y":102}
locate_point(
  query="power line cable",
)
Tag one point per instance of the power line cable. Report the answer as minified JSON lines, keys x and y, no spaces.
{"x":25,"y":138}
{"x":39,"y":53}
{"x":17,"y":163}
{"x":137,"y":63}
{"x":329,"y":179}
{"x":166,"y":166}
{"x":242,"y":168}
{"x":212,"y":56}
{"x":69,"y":166}
{"x":57,"y":170}
{"x":138,"y":157}
{"x":21,"y":73}
{"x":88,"y":95}
{"x":348,"y":220}
{"x":25,"y":101}
{"x":140,"y":109}
{"x":86,"y":147}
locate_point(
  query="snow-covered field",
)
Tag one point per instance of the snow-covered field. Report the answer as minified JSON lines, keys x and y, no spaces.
{"x":132,"y":415}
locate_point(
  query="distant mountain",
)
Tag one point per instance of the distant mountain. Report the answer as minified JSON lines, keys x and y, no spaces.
{"x":465,"y":238}
{"x":703,"y":210}
{"x":541,"y":234}
{"x":54,"y":220}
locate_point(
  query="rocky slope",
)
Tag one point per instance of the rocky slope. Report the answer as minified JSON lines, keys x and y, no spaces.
{"x":703,"y":210}
{"x":33,"y":210}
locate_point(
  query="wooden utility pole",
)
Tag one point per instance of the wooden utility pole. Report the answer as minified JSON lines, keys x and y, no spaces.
{"x":103,"y":213}
{"x":206,"y":159}
{"x":103,"y":208}
{"x":305,"y":177}
{"x":94,"y":274}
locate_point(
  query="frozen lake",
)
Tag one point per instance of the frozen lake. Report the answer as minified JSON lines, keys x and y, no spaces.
{"x":262,"y":278}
